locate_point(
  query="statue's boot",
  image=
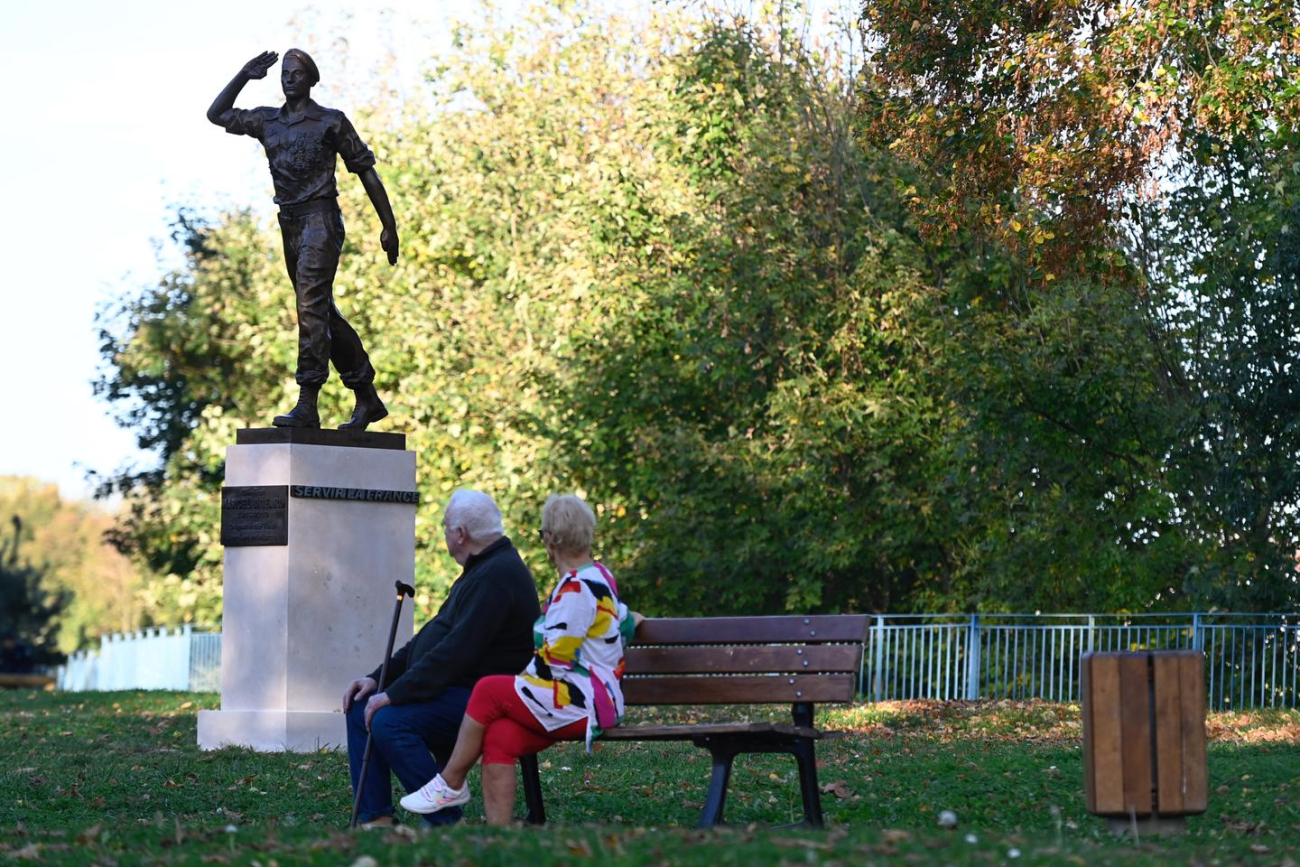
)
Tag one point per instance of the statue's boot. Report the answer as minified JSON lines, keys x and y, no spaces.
{"x":304,"y":414}
{"x":369,"y":408}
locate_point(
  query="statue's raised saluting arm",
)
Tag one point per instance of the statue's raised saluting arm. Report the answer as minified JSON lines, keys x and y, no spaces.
{"x":302,"y":141}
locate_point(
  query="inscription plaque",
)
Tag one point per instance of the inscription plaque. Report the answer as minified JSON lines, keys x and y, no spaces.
{"x":255,"y":515}
{"x":365,"y":495}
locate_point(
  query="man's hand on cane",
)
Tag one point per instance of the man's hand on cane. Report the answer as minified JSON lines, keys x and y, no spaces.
{"x":377,"y":701}
{"x":357,"y":691}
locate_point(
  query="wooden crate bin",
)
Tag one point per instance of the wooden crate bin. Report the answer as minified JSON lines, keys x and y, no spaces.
{"x":1144,"y":733}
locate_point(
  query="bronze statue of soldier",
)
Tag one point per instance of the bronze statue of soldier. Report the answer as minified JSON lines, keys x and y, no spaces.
{"x":302,"y":141}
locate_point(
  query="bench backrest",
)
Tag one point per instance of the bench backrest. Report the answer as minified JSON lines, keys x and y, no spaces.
{"x":746,"y":660}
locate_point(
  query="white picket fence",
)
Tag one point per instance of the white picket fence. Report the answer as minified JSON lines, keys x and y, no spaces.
{"x":180,"y":659}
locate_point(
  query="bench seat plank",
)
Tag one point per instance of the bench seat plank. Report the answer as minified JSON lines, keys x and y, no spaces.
{"x":739,"y":690}
{"x":689,"y":732}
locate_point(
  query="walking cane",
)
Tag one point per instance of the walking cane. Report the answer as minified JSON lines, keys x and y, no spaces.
{"x":402,"y":590}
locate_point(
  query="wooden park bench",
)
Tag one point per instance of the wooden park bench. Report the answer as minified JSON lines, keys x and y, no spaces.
{"x":798,"y":660}
{"x":10,"y":680}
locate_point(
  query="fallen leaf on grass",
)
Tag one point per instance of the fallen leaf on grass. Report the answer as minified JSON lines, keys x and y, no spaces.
{"x":795,"y":843}
{"x":895,"y":835}
{"x":91,"y":834}
{"x":400,"y":834}
{"x":337,"y":841}
{"x":838,"y":788}
{"x":1259,"y":848}
{"x":1243,"y":827}
{"x":30,"y":852}
{"x":579,"y":847}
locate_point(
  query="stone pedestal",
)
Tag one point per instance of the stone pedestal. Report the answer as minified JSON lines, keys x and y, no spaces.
{"x":318,"y":525}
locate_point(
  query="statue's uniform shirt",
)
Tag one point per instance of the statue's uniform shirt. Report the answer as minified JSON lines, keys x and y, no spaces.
{"x":302,"y":151}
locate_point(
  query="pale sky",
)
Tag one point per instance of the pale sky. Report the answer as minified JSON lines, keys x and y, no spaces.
{"x":104,"y":135}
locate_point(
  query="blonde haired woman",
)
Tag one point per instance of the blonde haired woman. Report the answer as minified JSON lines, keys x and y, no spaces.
{"x":569,"y":691}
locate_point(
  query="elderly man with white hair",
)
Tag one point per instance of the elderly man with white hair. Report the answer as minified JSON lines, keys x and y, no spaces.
{"x":485,"y":627}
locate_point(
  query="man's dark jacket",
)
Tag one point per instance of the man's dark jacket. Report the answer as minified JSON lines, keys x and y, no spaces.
{"x":485,"y":627}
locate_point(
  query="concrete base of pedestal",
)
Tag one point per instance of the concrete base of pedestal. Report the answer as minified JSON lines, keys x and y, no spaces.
{"x":272,"y":731}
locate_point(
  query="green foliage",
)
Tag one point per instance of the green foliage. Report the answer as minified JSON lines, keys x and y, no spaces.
{"x":1224,"y":253}
{"x":750,"y":389}
{"x":1058,"y":111}
{"x":29,"y":607}
{"x":1058,"y":468}
{"x":1116,"y":338}
{"x":64,"y":585}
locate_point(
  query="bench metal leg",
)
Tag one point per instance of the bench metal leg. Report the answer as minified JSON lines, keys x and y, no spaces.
{"x":532,"y":790}
{"x":805,"y":755}
{"x":716,"y":802}
{"x":724,"y":750}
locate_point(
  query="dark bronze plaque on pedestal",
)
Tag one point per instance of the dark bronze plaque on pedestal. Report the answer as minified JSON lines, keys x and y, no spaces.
{"x":255,"y":515}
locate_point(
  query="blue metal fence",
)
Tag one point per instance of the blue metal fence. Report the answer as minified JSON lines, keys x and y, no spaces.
{"x":1251,"y":660}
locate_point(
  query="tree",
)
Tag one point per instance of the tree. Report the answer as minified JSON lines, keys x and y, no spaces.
{"x":29,"y":609}
{"x":1097,"y":152}
{"x":1223,"y":252}
{"x":751,"y":390}
{"x":1047,"y":117}
{"x":77,"y":586}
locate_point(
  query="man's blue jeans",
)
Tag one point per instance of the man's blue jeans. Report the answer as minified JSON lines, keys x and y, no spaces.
{"x":404,"y":737}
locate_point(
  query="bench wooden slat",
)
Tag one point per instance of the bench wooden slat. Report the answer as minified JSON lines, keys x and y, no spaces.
{"x":686,"y":732}
{"x":814,"y":628}
{"x":739,"y":690}
{"x":743,"y":658}
{"x":19,"y":680}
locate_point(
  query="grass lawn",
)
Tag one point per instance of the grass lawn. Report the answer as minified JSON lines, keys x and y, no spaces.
{"x":117,"y":778}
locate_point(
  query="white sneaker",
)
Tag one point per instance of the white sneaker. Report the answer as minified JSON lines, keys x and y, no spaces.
{"x":435,"y":795}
